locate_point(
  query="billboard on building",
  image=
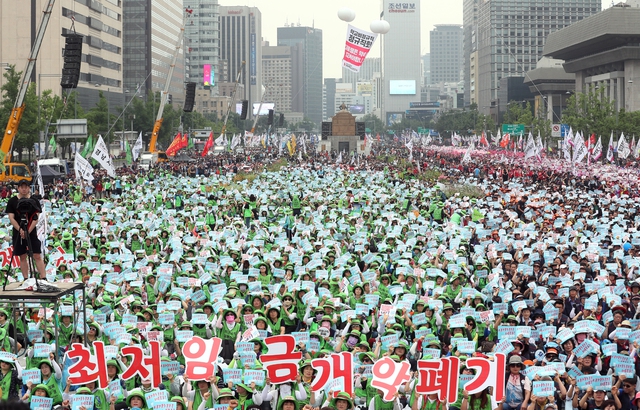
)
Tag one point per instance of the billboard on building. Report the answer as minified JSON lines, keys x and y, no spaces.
{"x":402,"y":87}
{"x":364,"y":88}
{"x":394,"y":118}
{"x":356,"y":109}
{"x":208,"y":76}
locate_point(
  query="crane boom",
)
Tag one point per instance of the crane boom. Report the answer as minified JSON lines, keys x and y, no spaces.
{"x":165,"y":94}
{"x":18,"y":107}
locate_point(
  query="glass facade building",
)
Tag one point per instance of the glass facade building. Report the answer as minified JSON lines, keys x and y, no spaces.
{"x":307,"y":95}
{"x":509,"y":36}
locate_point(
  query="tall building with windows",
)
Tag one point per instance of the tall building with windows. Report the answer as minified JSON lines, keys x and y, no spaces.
{"x":370,"y":66}
{"x":202,"y":42}
{"x":510,"y":36}
{"x":470,"y":49}
{"x":306,"y":95}
{"x":100,"y":22}
{"x":402,"y":71}
{"x":446,"y":53}
{"x":278,"y":74}
{"x":241,"y":40}
{"x":151,"y":31}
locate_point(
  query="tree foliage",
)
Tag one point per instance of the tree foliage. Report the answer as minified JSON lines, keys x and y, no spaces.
{"x":464,"y":122}
{"x":592,"y":112}
{"x":375,"y":124}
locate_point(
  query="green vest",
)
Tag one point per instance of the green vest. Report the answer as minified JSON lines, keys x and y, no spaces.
{"x":229,"y":334}
{"x":197,"y":399}
{"x":101,"y":402}
{"x":77,"y":197}
{"x":295,"y":202}
{"x":54,"y":390}
{"x":381,"y":404}
{"x":200,"y":331}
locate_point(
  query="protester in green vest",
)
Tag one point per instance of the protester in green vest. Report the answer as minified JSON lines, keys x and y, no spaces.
{"x":51,"y":375}
{"x":10,"y":376}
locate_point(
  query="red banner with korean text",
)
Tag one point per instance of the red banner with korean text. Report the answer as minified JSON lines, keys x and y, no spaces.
{"x":357,"y":47}
{"x":5,"y":258}
{"x":334,"y":373}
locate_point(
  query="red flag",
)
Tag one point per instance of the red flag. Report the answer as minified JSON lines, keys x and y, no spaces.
{"x":184,"y":141}
{"x":506,"y":138}
{"x":208,"y":145}
{"x":591,"y":141}
{"x":483,"y":139}
{"x":175,"y":146}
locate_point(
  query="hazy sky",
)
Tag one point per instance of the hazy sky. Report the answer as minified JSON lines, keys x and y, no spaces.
{"x":323,"y":14}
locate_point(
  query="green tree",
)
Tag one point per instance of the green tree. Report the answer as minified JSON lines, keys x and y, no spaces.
{"x":27,"y":133}
{"x":100,"y":120}
{"x":592,"y":112}
{"x":374,"y":123}
{"x":305,"y":125}
{"x":464,"y":122}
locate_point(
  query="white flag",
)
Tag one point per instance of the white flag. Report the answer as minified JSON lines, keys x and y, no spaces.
{"x":623,"y":147}
{"x":636,"y":152}
{"x":137,"y":148}
{"x":40,"y":183}
{"x":83,"y":169}
{"x":101,"y":154}
{"x":580,"y":150}
{"x":221,"y":140}
{"x":539,"y":145}
{"x":610,"y":149}
{"x":41,"y":227}
{"x":566,"y":145}
{"x":597,"y":150}
{"x":339,"y":159}
{"x":530,"y":149}
{"x":467,"y":155}
{"x":235,"y":141}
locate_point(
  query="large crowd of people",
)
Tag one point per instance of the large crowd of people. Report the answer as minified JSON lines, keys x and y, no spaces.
{"x":534,"y":259}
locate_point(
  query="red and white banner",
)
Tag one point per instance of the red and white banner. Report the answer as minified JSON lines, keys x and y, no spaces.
{"x":335,"y":373}
{"x":357,"y":47}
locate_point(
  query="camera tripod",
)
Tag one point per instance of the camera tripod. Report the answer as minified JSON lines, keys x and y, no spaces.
{"x":41,"y":288}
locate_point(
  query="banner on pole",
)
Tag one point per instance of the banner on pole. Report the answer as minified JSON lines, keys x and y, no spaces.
{"x":357,"y":47}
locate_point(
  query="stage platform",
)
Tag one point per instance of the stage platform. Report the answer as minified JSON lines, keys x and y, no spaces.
{"x":24,"y":299}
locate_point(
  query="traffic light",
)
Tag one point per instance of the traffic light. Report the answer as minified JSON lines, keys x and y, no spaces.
{"x":281,"y":121}
{"x":72,"y":61}
{"x":245,"y":108}
{"x":270,"y":118}
{"x":190,"y":97}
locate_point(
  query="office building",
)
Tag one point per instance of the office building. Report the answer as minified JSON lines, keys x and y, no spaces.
{"x":101,"y":25}
{"x":470,"y":49}
{"x":151,"y":30}
{"x":511,"y":35}
{"x":202,"y":42}
{"x":278,"y":75}
{"x":446,"y":53}
{"x":369,"y":67}
{"x":307,"y":95}
{"x":602,"y":52}
{"x":426,"y":69}
{"x":402,"y":59}
{"x":241,"y":40}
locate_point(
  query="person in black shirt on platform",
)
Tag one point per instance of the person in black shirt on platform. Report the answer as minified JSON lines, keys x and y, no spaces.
{"x":19,"y":236}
